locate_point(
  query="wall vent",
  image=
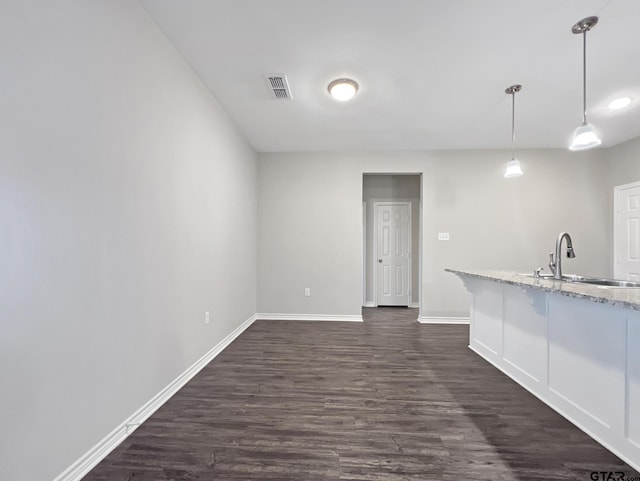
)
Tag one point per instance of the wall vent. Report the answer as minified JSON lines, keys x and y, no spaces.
{"x":278,"y":86}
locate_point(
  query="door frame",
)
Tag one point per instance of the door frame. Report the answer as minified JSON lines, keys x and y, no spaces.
{"x":616,"y":229}
{"x":375,"y":249}
{"x":364,"y":255}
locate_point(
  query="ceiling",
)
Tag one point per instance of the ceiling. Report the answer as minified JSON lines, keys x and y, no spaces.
{"x":432,"y":73}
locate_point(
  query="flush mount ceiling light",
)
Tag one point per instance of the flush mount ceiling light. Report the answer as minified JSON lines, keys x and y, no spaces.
{"x":619,"y":103}
{"x":585,"y":136}
{"x":343,"y":89}
{"x":513,"y":166}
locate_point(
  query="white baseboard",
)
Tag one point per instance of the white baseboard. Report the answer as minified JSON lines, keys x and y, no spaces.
{"x":269,"y":316}
{"x":96,"y":454}
{"x":443,"y":320}
{"x":413,"y":305}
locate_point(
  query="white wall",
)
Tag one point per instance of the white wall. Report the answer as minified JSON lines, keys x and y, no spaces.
{"x":404,"y":188}
{"x":310,"y":222}
{"x":623,"y":163}
{"x":309,"y":218}
{"x":127,"y":209}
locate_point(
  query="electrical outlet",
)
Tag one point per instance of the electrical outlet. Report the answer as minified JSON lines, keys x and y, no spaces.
{"x":307,"y":292}
{"x":443,"y":236}
{"x":206,"y":317}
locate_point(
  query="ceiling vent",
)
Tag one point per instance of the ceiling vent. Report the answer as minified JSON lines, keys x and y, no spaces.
{"x":278,"y":86}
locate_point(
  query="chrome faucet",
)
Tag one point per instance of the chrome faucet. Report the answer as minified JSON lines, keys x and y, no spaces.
{"x":555,"y":263}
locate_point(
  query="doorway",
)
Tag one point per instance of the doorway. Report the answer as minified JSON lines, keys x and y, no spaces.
{"x":626,"y":232}
{"x":391,"y":239}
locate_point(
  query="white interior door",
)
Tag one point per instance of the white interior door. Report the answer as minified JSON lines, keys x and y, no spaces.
{"x":627,"y":232}
{"x":393,"y":253}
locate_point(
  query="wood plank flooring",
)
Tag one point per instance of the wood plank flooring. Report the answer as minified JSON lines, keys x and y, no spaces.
{"x":388,"y":399}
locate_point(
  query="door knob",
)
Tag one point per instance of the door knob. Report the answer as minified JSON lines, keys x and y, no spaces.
{"x":379,"y":260}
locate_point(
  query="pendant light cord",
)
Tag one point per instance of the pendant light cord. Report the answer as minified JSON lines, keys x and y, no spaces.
{"x":513,"y":123}
{"x":584,"y":77}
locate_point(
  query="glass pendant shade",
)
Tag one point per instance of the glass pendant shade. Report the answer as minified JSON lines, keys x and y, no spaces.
{"x":585,"y":137}
{"x":513,"y":169}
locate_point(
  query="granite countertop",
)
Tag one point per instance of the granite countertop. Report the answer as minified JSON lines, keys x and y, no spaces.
{"x":617,"y":296}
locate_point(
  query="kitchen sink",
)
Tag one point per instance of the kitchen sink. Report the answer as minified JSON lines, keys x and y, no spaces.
{"x":595,"y":281}
{"x":598,"y":281}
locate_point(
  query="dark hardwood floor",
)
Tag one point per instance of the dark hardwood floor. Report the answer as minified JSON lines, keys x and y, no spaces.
{"x":388,"y":399}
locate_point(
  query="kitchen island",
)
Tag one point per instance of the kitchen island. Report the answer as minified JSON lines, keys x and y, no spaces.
{"x":574,"y":346}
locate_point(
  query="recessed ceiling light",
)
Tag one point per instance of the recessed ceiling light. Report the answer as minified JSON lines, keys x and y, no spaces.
{"x":343,"y":89}
{"x":620,"y":103}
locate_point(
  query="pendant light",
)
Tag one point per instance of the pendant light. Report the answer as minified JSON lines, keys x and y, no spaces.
{"x":585,"y":136}
{"x":513,"y":166}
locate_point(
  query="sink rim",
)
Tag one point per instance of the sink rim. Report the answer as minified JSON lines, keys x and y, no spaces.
{"x":592,"y":281}
{"x":603,"y":282}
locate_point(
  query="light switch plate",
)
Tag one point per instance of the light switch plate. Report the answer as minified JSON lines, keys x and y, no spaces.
{"x":443,"y":236}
